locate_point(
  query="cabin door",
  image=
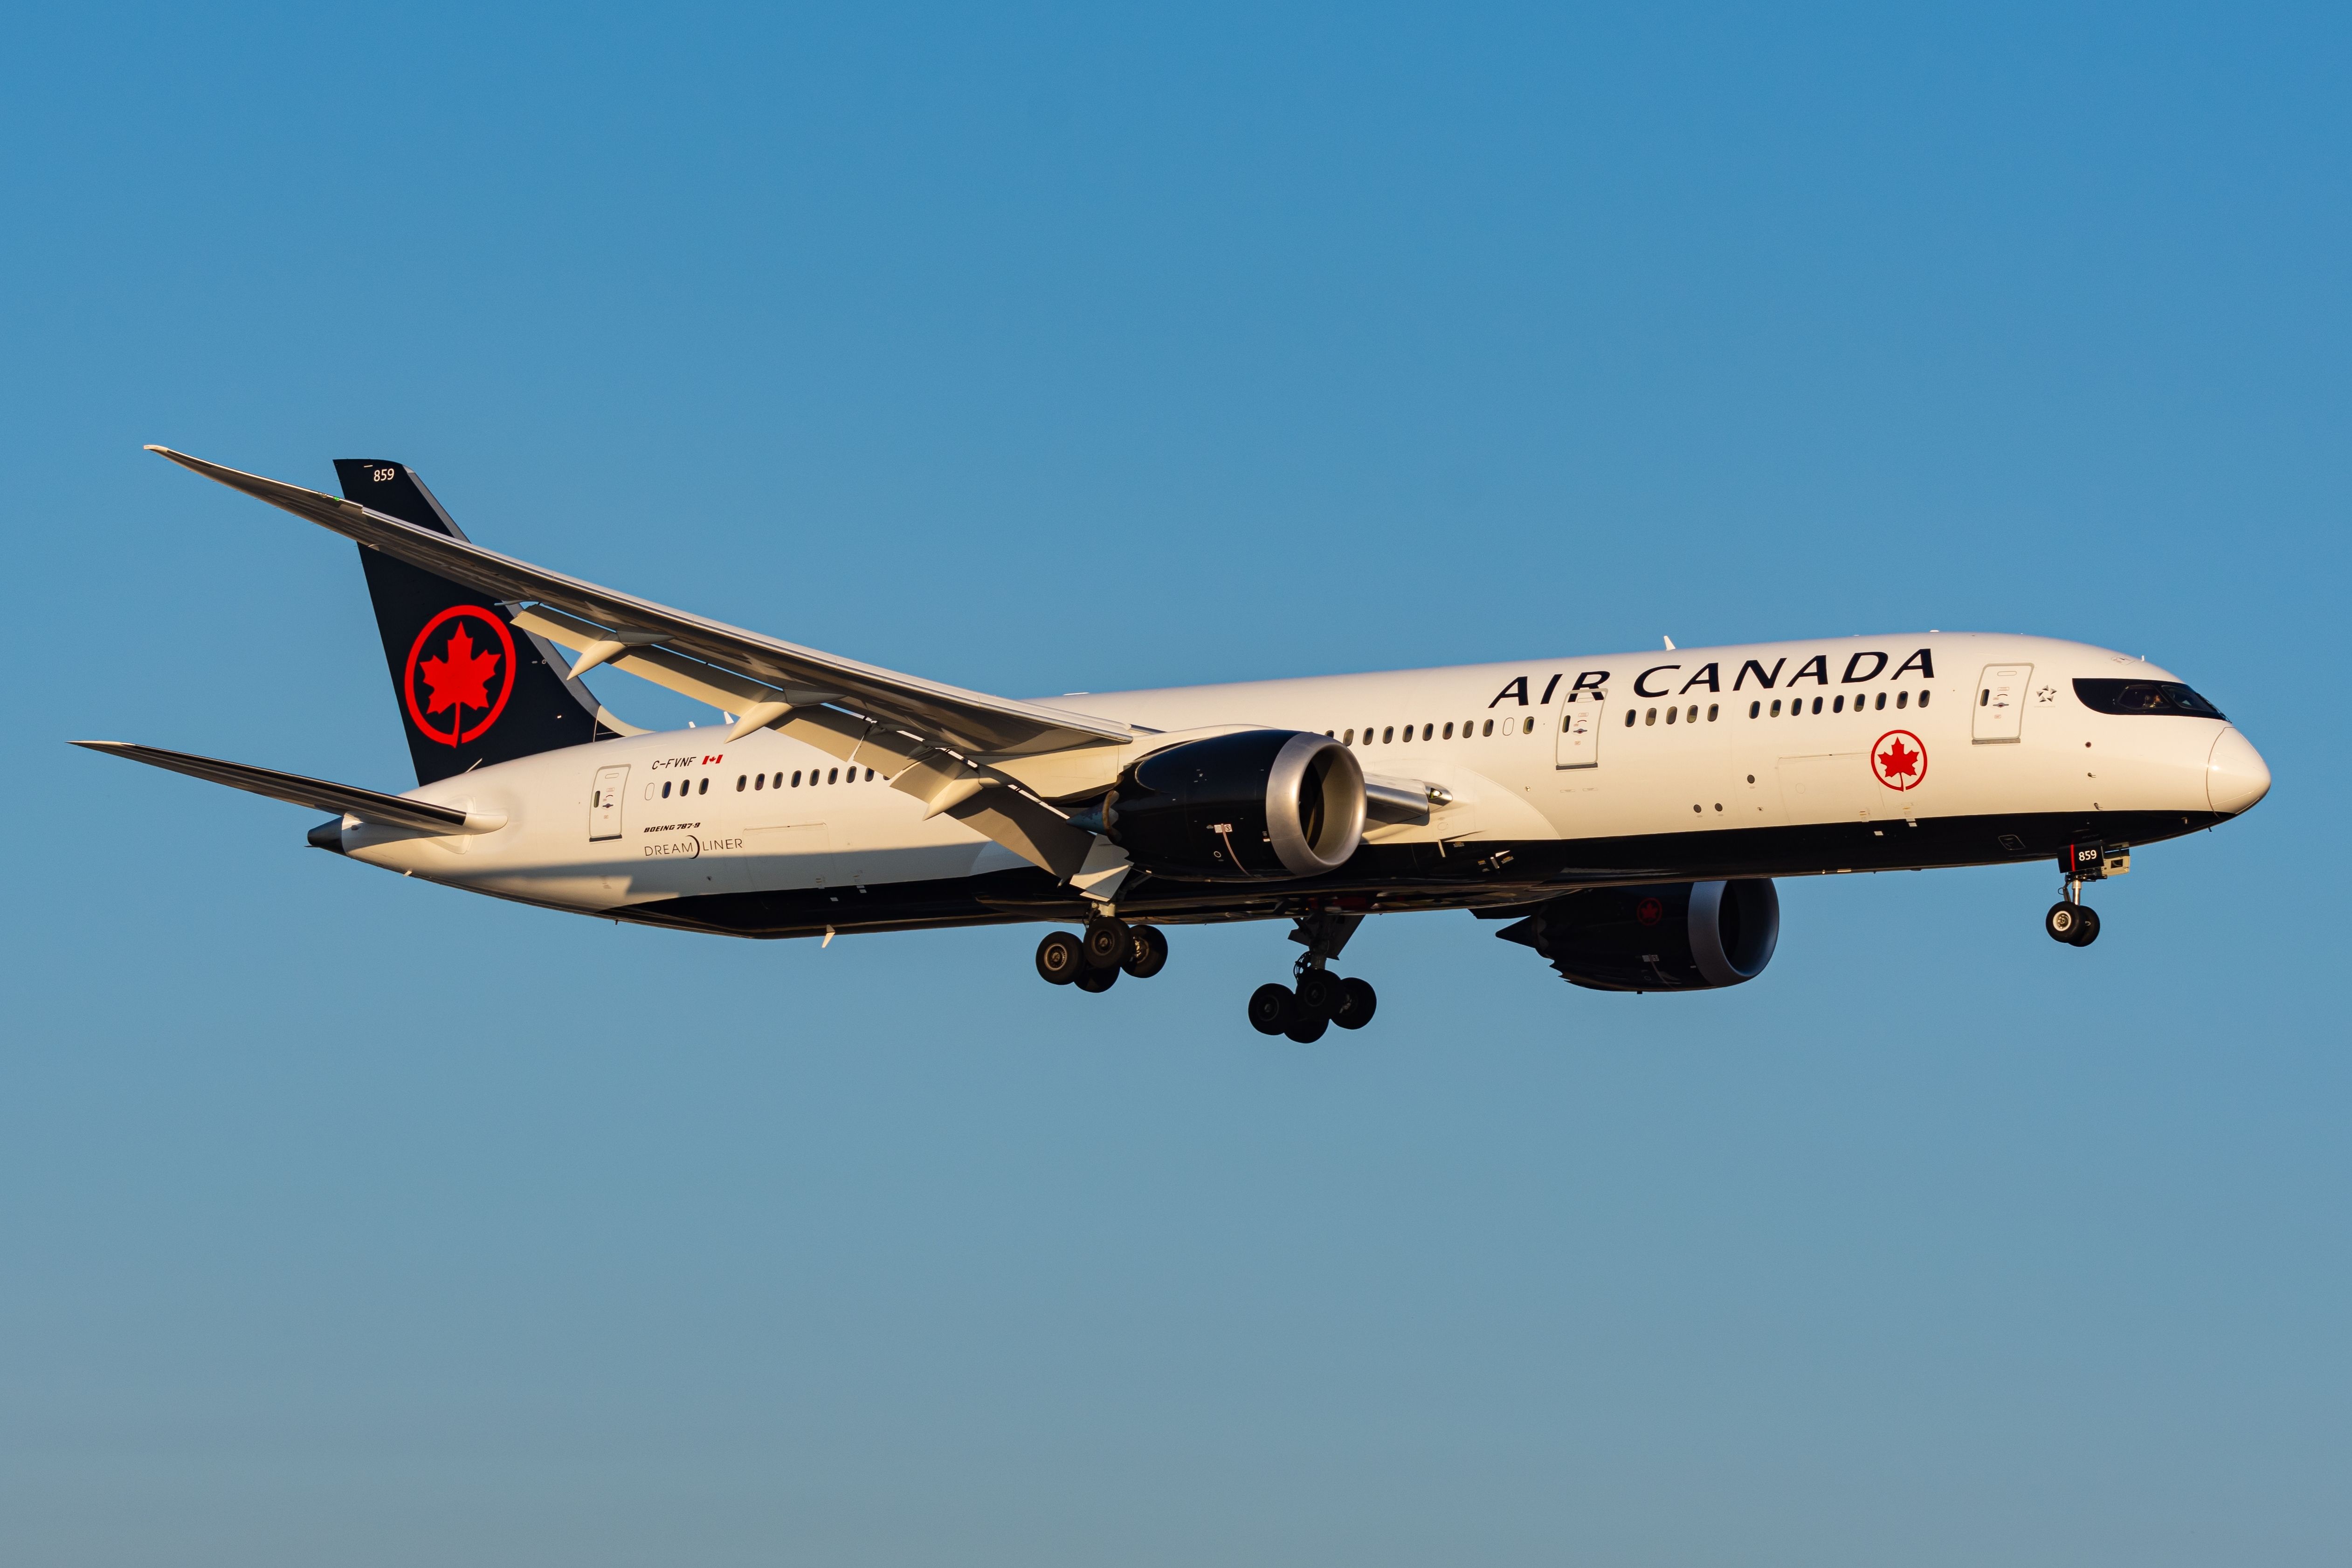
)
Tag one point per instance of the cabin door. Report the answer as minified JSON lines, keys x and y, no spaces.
{"x":604,"y":803}
{"x":2000,"y":703}
{"x":1579,"y":731}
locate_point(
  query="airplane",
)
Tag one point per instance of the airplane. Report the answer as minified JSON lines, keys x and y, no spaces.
{"x":1625,"y":813}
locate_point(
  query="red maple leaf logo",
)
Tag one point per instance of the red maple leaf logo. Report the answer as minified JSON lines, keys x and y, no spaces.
{"x":460,"y":677}
{"x":1895,"y":763}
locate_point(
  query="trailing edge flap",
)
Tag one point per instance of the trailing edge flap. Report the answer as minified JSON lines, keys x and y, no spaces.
{"x":970,"y":721}
{"x":367,"y":805}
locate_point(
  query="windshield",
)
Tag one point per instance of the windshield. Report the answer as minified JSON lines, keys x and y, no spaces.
{"x":2143,"y":696}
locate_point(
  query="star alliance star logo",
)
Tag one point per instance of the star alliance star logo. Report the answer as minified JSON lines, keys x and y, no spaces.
{"x":2047,"y":694}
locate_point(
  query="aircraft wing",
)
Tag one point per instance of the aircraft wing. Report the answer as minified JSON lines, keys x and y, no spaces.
{"x":970,"y":721}
{"x":954,"y":750}
{"x":367,"y":805}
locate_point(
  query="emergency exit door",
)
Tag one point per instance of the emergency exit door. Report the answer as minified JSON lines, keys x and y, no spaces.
{"x":1579,"y":731}
{"x":2000,"y":703}
{"x":604,"y":803}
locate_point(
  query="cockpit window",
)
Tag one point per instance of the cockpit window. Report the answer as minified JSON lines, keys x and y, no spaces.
{"x":2143,"y":696}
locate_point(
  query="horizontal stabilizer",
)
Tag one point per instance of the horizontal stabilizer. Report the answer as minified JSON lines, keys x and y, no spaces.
{"x":367,"y":805}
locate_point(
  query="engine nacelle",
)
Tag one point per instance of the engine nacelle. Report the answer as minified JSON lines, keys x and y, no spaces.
{"x":1257,"y":805}
{"x":1670,"y":936}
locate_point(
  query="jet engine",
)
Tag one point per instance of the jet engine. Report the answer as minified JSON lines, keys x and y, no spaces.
{"x":1261,"y":804}
{"x":1669,"y":936}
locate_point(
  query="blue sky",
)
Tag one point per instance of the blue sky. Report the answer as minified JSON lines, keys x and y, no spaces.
{"x":347,"y":1219}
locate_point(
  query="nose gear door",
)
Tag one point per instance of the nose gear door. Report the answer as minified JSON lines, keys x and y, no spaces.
{"x":2000,"y":703}
{"x":604,"y":803}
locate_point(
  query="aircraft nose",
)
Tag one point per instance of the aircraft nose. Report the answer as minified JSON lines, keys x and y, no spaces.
{"x":2235,"y":774}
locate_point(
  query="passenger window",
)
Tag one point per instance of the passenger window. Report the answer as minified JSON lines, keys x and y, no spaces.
{"x":796,"y":778}
{"x":1449,"y":731}
{"x":1691,"y":716}
{"x":1817,"y":704}
{"x":1712,"y":710}
{"x":1388,"y":734}
{"x":1630,"y":716}
{"x":1408,"y":734}
{"x":740,"y":783}
{"x":1838,"y":706}
{"x":1775,"y":707}
{"x":705,"y":785}
{"x":1489,"y":728}
{"x":665,"y":789}
{"x":1671,"y":714}
{"x":1923,"y":698}
{"x":1348,"y":739}
{"x":1882,"y":700}
{"x":1650,"y":717}
{"x":759,"y":780}
{"x":1754,"y":708}
{"x":1427,"y":731}
{"x":832,"y":776}
{"x":1902,"y":699}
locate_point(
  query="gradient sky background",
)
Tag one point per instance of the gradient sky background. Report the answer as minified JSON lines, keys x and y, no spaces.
{"x":344,"y":1219}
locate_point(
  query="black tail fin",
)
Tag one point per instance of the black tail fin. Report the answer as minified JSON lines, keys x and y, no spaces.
{"x":473,"y":689}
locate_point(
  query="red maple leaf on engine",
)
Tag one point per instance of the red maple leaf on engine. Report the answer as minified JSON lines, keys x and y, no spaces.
{"x":1898,"y":761}
{"x":459,"y":677}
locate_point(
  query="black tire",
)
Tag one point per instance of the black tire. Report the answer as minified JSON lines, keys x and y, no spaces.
{"x":1060,"y":958}
{"x":1320,"y":994}
{"x":2063,"y":922}
{"x":1357,"y":1003}
{"x":1146,"y":951}
{"x":1106,"y":943}
{"x":1096,"y":979}
{"x":1273,"y":1009}
{"x":1307,"y":1031}
{"x":2086,"y":929}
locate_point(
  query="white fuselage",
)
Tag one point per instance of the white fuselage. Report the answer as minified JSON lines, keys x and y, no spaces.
{"x":1886,"y":733}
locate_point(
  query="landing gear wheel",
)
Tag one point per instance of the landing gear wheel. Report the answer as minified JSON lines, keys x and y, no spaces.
{"x":1273,"y":1009}
{"x":1320,"y":994}
{"x":2064,"y":922}
{"x":1096,"y":980}
{"x":2086,"y":926}
{"x":1146,"y":951}
{"x":1357,"y":1003}
{"x":1106,"y":943}
{"x":1059,"y":957}
{"x":1307,"y":1031}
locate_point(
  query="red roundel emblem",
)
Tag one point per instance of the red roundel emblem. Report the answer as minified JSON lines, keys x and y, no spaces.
{"x":1899,"y":760}
{"x":1649,"y":912}
{"x":460,"y":669}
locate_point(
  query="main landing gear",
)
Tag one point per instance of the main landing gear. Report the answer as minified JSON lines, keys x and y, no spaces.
{"x":1093,"y":962}
{"x":1318,"y":998}
{"x":2070,"y":920}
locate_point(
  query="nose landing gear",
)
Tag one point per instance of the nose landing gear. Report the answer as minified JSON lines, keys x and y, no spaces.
{"x":2070,"y":920}
{"x":1318,"y":998}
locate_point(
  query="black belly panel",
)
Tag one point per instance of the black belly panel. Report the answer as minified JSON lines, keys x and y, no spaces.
{"x":1427,"y":875}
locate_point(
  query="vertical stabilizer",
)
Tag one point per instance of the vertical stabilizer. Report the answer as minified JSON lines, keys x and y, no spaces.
{"x":472,"y":689}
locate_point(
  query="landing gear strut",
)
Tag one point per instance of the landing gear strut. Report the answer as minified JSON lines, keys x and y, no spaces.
{"x":1093,"y":962}
{"x":2070,"y":920}
{"x":1317,"y":998}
